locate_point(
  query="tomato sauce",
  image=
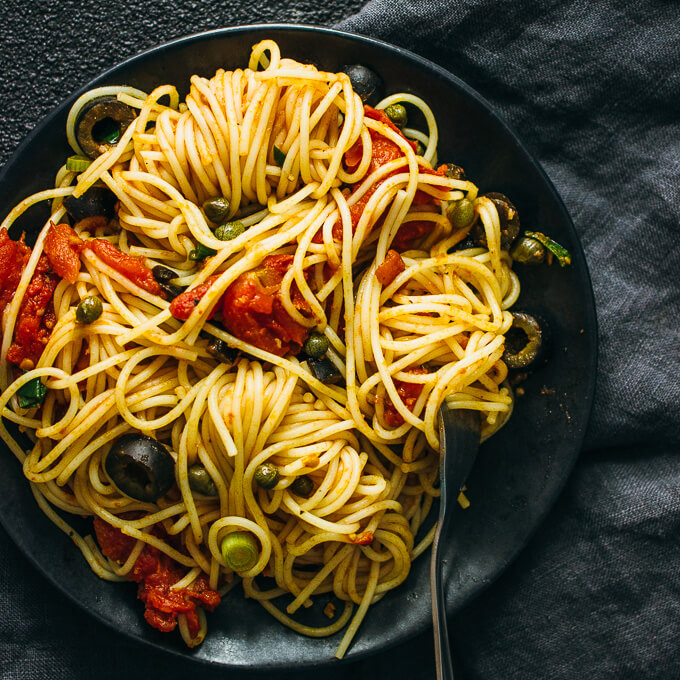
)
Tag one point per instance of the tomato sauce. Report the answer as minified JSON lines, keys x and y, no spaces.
{"x":155,"y":573}
{"x":409,"y":393}
{"x":132,"y":268}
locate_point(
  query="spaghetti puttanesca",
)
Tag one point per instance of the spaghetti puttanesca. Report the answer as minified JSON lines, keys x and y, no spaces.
{"x":341,"y":230}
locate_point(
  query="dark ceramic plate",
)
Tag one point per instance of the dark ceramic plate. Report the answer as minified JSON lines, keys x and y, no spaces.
{"x":519,"y":473}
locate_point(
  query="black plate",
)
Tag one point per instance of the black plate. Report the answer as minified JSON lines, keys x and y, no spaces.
{"x":519,"y":473}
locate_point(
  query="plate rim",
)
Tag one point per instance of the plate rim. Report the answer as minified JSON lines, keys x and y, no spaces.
{"x":589,"y":312}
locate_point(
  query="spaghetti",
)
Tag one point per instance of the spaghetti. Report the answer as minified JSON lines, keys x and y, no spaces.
{"x":324,"y":192}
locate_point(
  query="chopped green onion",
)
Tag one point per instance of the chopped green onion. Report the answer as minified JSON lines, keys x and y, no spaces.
{"x":240,"y":551}
{"x":78,"y":163}
{"x":201,"y":252}
{"x":32,"y":394}
{"x":279,"y":156}
{"x":561,"y":253}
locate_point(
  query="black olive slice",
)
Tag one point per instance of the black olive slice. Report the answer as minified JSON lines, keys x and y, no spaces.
{"x":140,"y":467}
{"x":324,"y":370}
{"x":171,"y":291}
{"x":366,"y":83}
{"x":163,"y":274}
{"x":455,"y":171}
{"x":101,"y":124}
{"x":97,"y":201}
{"x":218,"y":349}
{"x":508,"y":217}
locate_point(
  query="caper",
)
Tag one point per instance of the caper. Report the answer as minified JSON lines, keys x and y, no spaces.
{"x":302,"y":486}
{"x":216,"y":209}
{"x":229,"y":231}
{"x":200,"y":481}
{"x":420,"y":149}
{"x":89,"y":309}
{"x":528,"y":251}
{"x":397,"y":114}
{"x":461,"y":213}
{"x":455,"y":171}
{"x":267,"y":475}
{"x":316,"y":345}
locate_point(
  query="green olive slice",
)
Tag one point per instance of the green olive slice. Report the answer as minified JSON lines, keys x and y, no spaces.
{"x":525,"y":341}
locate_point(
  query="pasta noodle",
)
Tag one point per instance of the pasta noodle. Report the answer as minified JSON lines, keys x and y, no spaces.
{"x":273,"y":139}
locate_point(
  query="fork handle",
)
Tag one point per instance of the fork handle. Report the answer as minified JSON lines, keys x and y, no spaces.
{"x":442,"y":649}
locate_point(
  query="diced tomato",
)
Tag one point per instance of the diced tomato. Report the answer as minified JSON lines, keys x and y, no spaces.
{"x":155,"y":572}
{"x":62,"y":247}
{"x":182,"y":306}
{"x":252,"y":309}
{"x":36,"y":317}
{"x":13,"y":258}
{"x":409,"y":393}
{"x":390,"y":268}
{"x":130,"y":267}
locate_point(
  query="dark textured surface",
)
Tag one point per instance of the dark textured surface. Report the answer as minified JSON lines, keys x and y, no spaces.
{"x":593,"y":88}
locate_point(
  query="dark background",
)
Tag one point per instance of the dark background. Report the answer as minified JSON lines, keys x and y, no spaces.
{"x":594,"y":90}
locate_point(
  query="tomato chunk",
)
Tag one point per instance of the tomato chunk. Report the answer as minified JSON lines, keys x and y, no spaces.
{"x":252,"y":309}
{"x":130,"y":267}
{"x":364,"y":538}
{"x":182,"y":306}
{"x":36,"y":317}
{"x":155,"y":573}
{"x":13,"y":258}
{"x":390,"y":268}
{"x":62,"y":247}
{"x":409,"y":393}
